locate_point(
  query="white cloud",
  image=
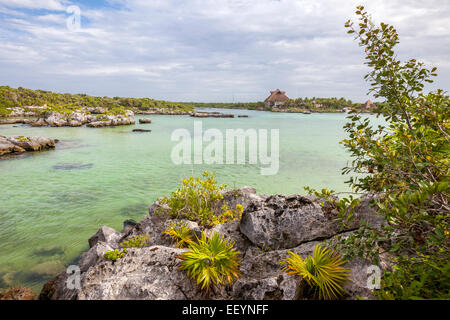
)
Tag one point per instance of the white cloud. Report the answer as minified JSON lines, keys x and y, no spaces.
{"x":210,"y":49}
{"x":56,"y":5}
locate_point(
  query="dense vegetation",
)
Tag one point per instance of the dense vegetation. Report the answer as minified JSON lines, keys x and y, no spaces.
{"x":66,"y":103}
{"x":307,"y":104}
{"x":234,"y":105}
{"x":21,"y":97}
{"x":320,"y":104}
{"x":406,"y":163}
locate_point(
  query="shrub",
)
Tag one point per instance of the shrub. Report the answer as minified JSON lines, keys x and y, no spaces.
{"x":200,"y":200}
{"x":113,"y":255}
{"x":211,"y":261}
{"x":323,"y":271}
{"x":406,"y":163}
{"x":181,"y":233}
{"x":136,"y":242}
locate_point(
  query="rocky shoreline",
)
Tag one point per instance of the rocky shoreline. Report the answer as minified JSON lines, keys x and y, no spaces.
{"x":91,"y":117}
{"x":270,"y":226}
{"x":19,"y":144}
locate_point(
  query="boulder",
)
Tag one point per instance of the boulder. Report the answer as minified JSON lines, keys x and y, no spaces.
{"x":230,"y":231}
{"x":281,"y":287}
{"x":107,"y":235}
{"x":143,"y":274}
{"x":18,"y":144}
{"x":36,"y":143}
{"x":145,"y":120}
{"x":282,"y":222}
{"x":93,"y":255}
{"x":56,"y":119}
{"x":7,"y":146}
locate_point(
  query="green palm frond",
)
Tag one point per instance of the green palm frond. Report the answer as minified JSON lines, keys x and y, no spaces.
{"x":181,"y":233}
{"x":323,"y":271}
{"x":211,"y":261}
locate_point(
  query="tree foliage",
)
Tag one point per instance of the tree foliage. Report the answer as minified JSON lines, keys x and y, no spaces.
{"x":406,"y":163}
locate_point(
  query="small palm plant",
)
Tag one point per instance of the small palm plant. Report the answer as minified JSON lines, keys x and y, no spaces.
{"x":181,"y":233}
{"x":211,"y":261}
{"x":322,"y":271}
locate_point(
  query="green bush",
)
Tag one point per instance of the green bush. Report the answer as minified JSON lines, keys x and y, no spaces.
{"x":211,"y":261}
{"x":113,"y":255}
{"x":200,"y":200}
{"x":135,"y":242}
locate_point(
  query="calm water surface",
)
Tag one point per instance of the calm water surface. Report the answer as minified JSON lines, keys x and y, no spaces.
{"x":52,"y":202}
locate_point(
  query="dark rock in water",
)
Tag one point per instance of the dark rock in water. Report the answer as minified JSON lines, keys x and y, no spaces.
{"x":18,"y":293}
{"x":242,"y":116}
{"x":141,"y":130}
{"x":48,"y":251}
{"x":128,"y":225}
{"x":211,"y":115}
{"x":72,"y":166}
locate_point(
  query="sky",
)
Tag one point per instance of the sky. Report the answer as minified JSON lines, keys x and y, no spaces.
{"x":208,"y":50}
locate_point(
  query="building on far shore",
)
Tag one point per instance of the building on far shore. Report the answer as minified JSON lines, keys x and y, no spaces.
{"x":276,"y":98}
{"x":369,"y":105}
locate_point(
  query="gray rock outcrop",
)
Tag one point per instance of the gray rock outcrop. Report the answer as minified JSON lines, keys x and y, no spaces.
{"x":84,"y":117}
{"x":270,"y":227}
{"x":19,"y":144}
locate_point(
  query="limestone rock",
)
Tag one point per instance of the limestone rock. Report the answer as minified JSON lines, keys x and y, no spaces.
{"x":148,"y":273}
{"x":282,"y":222}
{"x":107,"y":235}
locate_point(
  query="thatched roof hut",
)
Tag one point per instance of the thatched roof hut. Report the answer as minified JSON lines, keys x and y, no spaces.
{"x":276,"y":98}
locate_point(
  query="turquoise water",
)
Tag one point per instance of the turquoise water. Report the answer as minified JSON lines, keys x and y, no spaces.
{"x":47,"y":214}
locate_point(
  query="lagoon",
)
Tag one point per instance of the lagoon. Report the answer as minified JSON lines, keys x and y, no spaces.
{"x":52,"y":202}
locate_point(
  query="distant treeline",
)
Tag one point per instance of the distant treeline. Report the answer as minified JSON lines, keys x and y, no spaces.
{"x":229,"y":105}
{"x":311,"y":104}
{"x":320,"y":103}
{"x":21,"y":97}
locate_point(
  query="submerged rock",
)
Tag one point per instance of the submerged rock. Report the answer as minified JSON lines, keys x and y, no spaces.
{"x":48,"y":269}
{"x":141,"y":130}
{"x":72,"y":166}
{"x":48,"y":251}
